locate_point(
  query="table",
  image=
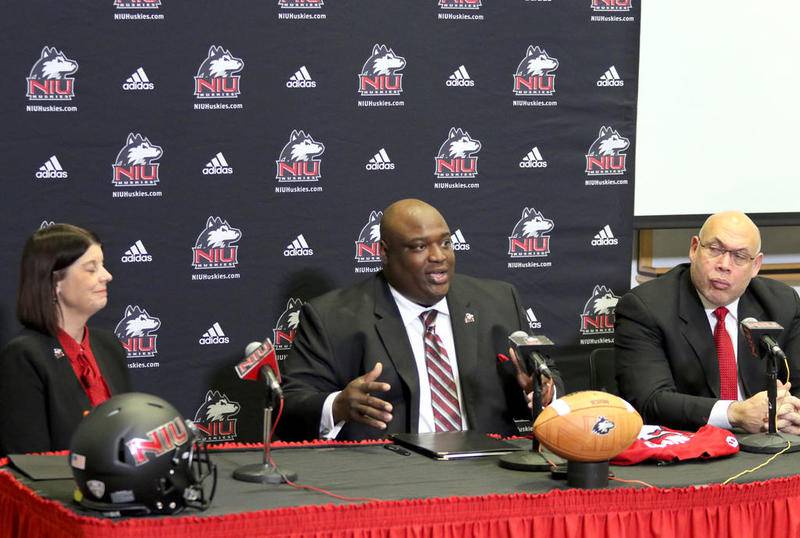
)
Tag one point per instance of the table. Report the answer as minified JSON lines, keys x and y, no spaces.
{"x":420,"y":497}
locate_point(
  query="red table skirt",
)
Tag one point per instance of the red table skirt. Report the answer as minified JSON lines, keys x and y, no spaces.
{"x":769,"y":508}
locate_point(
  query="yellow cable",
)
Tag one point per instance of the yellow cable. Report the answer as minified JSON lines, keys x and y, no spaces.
{"x":757,"y":467}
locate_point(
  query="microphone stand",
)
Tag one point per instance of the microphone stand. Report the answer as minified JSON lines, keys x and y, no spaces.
{"x":265,"y":472}
{"x":771,"y":441}
{"x":530,"y":460}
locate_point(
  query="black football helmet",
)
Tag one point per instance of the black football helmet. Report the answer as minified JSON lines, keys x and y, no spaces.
{"x":135,"y":454}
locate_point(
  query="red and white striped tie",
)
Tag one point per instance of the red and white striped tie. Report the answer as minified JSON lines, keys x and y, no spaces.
{"x":444,"y":393}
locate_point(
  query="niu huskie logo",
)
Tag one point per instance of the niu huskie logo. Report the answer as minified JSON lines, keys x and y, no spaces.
{"x":48,"y":80}
{"x":136,"y":332}
{"x":137,"y":4}
{"x":134,"y":166}
{"x":611,"y":5}
{"x":605,"y":155}
{"x":456,"y":159}
{"x":215,"y":415}
{"x":534,"y":76}
{"x":459,"y":4}
{"x":379,"y":75}
{"x":286,"y":327}
{"x":368,"y":244}
{"x":301,"y":4}
{"x":159,"y":441}
{"x":598,"y":313}
{"x":531,"y":235}
{"x":296,"y":161}
{"x":214,"y":248}
{"x":602,"y":426}
{"x":215,"y":78}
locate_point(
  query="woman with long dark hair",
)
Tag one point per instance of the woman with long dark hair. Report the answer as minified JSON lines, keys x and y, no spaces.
{"x":56,"y":369}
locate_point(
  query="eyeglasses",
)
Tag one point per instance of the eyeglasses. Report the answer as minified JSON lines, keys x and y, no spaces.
{"x":740,"y":257}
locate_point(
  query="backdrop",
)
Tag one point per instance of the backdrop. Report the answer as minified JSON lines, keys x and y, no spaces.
{"x":235,"y":158}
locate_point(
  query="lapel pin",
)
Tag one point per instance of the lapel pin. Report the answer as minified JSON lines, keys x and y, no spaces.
{"x":58,"y":353}
{"x":469,"y":318}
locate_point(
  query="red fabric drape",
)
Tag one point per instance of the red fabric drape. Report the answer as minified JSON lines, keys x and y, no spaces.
{"x":756,"y":509}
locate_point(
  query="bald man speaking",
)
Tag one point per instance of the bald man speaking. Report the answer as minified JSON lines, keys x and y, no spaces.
{"x":414,"y":348}
{"x":681,"y":359}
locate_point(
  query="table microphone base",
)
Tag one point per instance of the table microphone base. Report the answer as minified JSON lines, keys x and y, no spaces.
{"x":263,"y":474}
{"x":525,"y":461}
{"x":769,"y":443}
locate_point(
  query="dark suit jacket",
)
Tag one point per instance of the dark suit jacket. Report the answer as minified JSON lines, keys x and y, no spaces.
{"x":343,"y":334}
{"x":41,"y":399}
{"x":666,"y":360}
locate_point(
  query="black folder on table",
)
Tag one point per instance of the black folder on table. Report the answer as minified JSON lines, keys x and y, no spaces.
{"x":454,"y":445}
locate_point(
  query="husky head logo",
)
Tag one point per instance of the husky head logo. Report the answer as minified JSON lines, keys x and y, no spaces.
{"x":609,"y":142}
{"x":219,"y":63}
{"x":603,"y":426}
{"x":301,"y":147}
{"x":536,"y":62}
{"x":52,"y":64}
{"x":217,"y":406}
{"x":383,"y":61}
{"x":290,"y":318}
{"x":138,"y":150}
{"x":459,"y":144}
{"x":603,"y":301}
{"x":217,"y":234}
{"x":135,"y":323}
{"x":532,"y":224}
{"x":371,"y":232}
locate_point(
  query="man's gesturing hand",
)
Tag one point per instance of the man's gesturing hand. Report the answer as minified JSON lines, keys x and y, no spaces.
{"x":355,"y":402}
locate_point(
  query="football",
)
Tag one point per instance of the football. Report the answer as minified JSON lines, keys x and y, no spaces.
{"x":588,"y":426}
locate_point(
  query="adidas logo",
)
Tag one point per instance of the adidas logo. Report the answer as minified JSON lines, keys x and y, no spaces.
{"x":459,"y":243}
{"x":460,"y":77}
{"x":298,"y":247}
{"x":533,"y":323}
{"x":214,"y":335}
{"x":533,"y":159}
{"x":610,"y":78}
{"x":51,"y":169}
{"x":138,"y":81}
{"x":217,"y":165}
{"x":136,"y":254}
{"x":301,"y":79}
{"x":604,"y":237}
{"x":380,"y":161}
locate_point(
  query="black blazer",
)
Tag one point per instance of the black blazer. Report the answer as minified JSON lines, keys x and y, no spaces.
{"x":666,"y":360}
{"x":342,"y":334}
{"x":41,"y":399}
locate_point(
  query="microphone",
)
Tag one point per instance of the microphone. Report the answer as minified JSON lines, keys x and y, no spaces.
{"x":260,"y":363}
{"x":762,"y":331}
{"x":528,"y":347}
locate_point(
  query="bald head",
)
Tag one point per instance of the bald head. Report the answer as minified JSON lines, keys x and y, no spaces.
{"x":733,"y":225}
{"x":726,"y":256}
{"x":416,"y":251}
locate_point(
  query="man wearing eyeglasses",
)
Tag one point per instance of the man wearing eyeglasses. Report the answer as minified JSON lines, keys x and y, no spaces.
{"x":680,"y":358}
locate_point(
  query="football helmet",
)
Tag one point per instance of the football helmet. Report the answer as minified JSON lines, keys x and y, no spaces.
{"x":135,"y":454}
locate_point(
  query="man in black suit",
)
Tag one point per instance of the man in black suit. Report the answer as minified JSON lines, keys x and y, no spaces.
{"x":670,"y":344}
{"x":359,"y":365}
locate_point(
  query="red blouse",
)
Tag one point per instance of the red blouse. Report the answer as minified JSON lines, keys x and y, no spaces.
{"x":85,"y":366}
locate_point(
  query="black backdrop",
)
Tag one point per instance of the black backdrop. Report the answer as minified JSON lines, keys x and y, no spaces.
{"x":285,"y":240}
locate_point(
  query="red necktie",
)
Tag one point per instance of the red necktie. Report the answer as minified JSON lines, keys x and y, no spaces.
{"x":728,"y":384}
{"x":444,"y":394}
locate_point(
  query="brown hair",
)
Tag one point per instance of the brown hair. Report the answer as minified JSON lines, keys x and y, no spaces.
{"x":46,"y":254}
